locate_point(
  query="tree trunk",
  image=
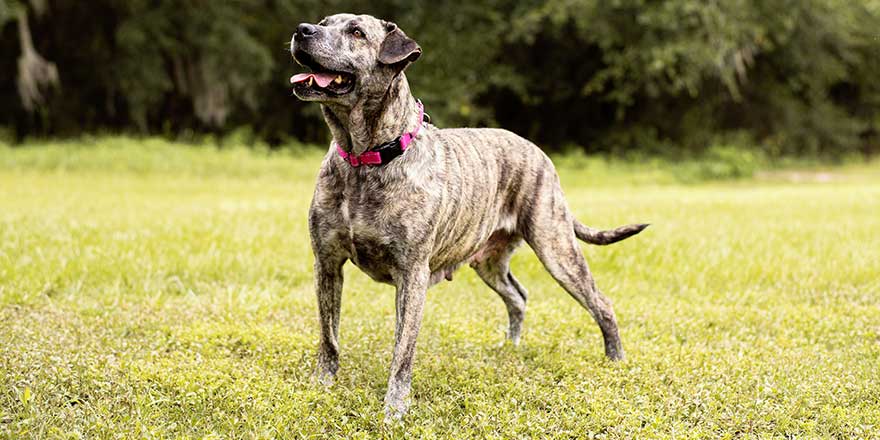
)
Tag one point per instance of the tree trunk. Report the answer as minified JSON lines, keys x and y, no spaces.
{"x":35,"y":73}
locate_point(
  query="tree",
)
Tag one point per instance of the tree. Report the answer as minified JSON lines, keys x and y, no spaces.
{"x":35,"y":73}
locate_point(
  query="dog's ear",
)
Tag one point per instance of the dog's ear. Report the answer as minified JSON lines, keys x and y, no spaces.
{"x":398,"y":49}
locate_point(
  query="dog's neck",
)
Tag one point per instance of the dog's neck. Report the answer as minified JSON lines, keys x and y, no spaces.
{"x":374,"y":119}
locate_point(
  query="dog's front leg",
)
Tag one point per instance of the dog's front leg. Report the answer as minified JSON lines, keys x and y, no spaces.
{"x":410,"y":301}
{"x":328,"y":284}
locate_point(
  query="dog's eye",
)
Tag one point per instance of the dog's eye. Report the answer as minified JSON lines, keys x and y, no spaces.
{"x":358,"y":33}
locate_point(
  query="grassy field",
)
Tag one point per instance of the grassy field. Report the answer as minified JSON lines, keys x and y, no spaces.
{"x":153,"y":291}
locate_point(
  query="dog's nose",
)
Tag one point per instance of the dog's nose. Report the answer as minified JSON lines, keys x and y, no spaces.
{"x":305,"y":30}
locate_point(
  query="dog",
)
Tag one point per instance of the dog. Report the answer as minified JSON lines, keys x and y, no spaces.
{"x":408,"y":203}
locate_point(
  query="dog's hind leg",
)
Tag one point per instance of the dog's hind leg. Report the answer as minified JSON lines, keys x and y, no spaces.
{"x":492,"y":264}
{"x":563,"y":259}
{"x":548,"y":229}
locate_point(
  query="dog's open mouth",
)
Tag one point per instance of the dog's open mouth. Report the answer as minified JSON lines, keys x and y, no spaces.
{"x":334,"y":82}
{"x":321,"y":79}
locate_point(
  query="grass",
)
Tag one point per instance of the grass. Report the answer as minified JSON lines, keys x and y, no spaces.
{"x":153,"y":291}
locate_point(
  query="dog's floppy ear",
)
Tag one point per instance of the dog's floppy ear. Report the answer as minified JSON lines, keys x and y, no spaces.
{"x":398,"y":48}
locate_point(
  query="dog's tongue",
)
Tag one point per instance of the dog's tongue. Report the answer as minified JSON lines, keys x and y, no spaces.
{"x":323,"y":79}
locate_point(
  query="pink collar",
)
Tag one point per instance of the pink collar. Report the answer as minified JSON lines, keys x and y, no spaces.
{"x":384,"y":153}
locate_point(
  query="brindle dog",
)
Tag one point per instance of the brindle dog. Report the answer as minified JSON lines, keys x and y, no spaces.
{"x":455,"y":196}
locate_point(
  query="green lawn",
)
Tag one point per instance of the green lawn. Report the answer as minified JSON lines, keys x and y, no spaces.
{"x":155,"y":291}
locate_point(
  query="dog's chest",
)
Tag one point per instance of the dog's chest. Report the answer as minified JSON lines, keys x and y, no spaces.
{"x":370,"y":239}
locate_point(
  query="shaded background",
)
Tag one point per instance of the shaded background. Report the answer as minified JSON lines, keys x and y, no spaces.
{"x":674,"y":77}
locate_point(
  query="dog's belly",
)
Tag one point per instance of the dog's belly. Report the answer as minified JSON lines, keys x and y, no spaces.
{"x":372,"y":258}
{"x":443,"y":267}
{"x":451,"y":258}
{"x":468,"y":246}
{"x":376,"y":256}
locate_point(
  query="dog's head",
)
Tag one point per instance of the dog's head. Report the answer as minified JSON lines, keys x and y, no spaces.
{"x":349,"y":56}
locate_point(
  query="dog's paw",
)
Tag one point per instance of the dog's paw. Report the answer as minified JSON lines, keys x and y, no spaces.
{"x":396,"y":406}
{"x":615,"y":355}
{"x":509,"y":340}
{"x":507,"y":343}
{"x":323,"y":378}
{"x":514,"y":340}
{"x":394,"y":414}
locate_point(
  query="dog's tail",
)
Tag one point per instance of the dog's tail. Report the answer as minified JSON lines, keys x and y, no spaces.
{"x":595,"y":236}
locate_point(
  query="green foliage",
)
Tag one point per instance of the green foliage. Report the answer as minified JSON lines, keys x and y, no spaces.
{"x":177,"y":302}
{"x":6,"y":11}
{"x":722,"y":162}
{"x":792,"y":73}
{"x":663,"y":77}
{"x":207,"y":51}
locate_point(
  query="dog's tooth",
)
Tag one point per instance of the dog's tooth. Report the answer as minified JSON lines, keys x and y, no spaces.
{"x":338,"y":79}
{"x":311,"y":81}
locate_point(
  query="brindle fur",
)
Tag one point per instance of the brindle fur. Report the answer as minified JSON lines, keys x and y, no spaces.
{"x":456,"y":196}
